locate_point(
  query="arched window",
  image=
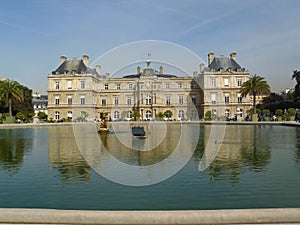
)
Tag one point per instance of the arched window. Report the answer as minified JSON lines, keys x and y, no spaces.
{"x":70,"y":115}
{"x":57,"y":115}
{"x":129,"y":115}
{"x":148,"y":114}
{"x":240,"y":112}
{"x":116,"y":115}
{"x":181,"y":115}
{"x":227,"y":112}
{"x":213,"y":113}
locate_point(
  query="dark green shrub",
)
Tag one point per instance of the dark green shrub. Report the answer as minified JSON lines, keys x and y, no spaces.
{"x":291,"y":111}
{"x":278,"y":112}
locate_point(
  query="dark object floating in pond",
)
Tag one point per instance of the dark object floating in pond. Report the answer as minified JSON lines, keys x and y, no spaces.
{"x":138,"y":132}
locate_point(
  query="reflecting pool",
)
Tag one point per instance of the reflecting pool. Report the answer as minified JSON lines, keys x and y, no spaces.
{"x":49,"y":167}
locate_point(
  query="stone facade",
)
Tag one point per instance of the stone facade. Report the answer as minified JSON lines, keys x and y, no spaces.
{"x":74,"y":88}
{"x":222,"y":80}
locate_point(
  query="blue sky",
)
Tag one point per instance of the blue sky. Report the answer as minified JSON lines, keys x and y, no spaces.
{"x":35,"y":33}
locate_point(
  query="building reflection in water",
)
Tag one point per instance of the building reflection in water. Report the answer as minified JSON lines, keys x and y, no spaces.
{"x":243,"y":148}
{"x":125,"y":159}
{"x":15,"y":143}
{"x":65,"y":156}
{"x":142,"y":152}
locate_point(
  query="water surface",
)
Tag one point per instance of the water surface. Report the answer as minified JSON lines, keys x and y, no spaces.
{"x":256,"y":167}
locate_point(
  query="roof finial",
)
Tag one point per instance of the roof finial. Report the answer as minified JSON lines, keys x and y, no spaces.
{"x":148,"y":61}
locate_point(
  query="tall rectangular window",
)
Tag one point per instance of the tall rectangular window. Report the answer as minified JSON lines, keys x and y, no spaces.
{"x":118,"y":86}
{"x":69,"y":84}
{"x":69,"y":100}
{"x":148,"y":100}
{"x":227,"y":100}
{"x":103,"y":102}
{"x":130,"y":86}
{"x":82,"y":84}
{"x":128,"y":100}
{"x":226,"y":82}
{"x":167,"y":85}
{"x":213,"y":97}
{"x":213,"y":82}
{"x":194,"y":100}
{"x":180,"y":100}
{"x":240,"y":99}
{"x":168,"y":100}
{"x":56,"y":85}
{"x":179,"y":85}
{"x":106,"y":86}
{"x":82,"y":100}
{"x":56,"y":100}
{"x":239,"y":82}
{"x":116,"y":100}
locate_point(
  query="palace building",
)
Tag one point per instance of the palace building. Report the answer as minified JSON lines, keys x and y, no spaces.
{"x":75,"y":90}
{"x":222,"y":80}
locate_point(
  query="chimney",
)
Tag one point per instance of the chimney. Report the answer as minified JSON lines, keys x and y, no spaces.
{"x":63,"y":58}
{"x":202,"y":66}
{"x":161,"y":70}
{"x":211,"y":57}
{"x":233,"y":55}
{"x":98,"y":68}
{"x":85,"y":59}
{"x":138,"y":70}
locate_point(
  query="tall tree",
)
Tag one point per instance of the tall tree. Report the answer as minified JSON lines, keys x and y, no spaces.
{"x":256,"y":85}
{"x":10,"y":89}
{"x":296,"y":75}
{"x":26,"y":107}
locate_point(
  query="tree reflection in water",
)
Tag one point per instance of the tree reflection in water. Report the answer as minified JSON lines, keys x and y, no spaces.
{"x":65,"y":156}
{"x":243,"y":148}
{"x":257,"y":155}
{"x":15,"y":143}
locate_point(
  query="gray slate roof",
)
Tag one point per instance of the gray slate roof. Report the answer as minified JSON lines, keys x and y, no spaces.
{"x":221,"y":63}
{"x":71,"y":65}
{"x":76,"y":66}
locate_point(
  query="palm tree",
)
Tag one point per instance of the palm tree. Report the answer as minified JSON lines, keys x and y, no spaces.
{"x":254,"y":86}
{"x":10,"y":89}
{"x":296,"y":75}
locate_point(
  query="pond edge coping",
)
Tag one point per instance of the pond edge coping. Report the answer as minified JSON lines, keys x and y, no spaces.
{"x":228,"y":216}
